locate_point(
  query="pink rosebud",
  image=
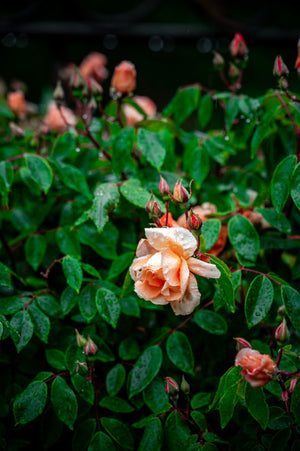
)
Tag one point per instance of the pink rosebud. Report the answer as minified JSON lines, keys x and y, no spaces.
{"x":258,"y":369}
{"x":164,"y":188}
{"x":80,"y":340}
{"x":285,"y":396}
{"x":90,"y":348}
{"x":153,"y":207}
{"x":181,"y":194}
{"x":171,"y":387}
{"x":238,"y":47}
{"x":218,"y":60}
{"x":282,"y":333}
{"x":93,"y":65}
{"x":16,"y":102}
{"x":242,"y":343}
{"x":280,"y":68}
{"x":124,"y":76}
{"x":292,"y":385}
{"x":297,"y":62}
{"x":194,"y":222}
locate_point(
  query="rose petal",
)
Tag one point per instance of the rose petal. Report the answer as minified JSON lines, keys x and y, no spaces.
{"x":179,"y":240}
{"x":202,"y":268}
{"x":137,"y":266}
{"x":171,"y":265}
{"x":144,"y":248}
{"x":147,"y":291}
{"x":190,"y":300}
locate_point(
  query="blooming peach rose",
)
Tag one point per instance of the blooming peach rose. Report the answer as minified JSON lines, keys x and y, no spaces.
{"x":58,"y":119}
{"x":202,"y":211}
{"x":93,"y":65}
{"x":16,"y":102}
{"x":164,"y":267}
{"x":257,"y":368}
{"x":124,"y":76}
{"x":133,"y":116}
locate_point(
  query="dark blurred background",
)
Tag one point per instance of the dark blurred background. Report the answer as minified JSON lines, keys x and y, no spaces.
{"x":169,"y":41}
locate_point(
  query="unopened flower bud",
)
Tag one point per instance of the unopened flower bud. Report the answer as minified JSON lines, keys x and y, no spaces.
{"x":77,"y":80}
{"x":81,"y":341}
{"x":96,"y":89}
{"x":283,"y":83}
{"x":124,"y":76}
{"x":233,"y":71}
{"x":180,"y":193}
{"x":282,"y":333}
{"x":194,"y":222}
{"x":81,"y":368}
{"x":185,"y":386}
{"x":238,"y":47}
{"x":280,"y":69}
{"x":218,"y":60}
{"x":164,"y":188}
{"x":281,"y":310}
{"x":16,"y":130}
{"x":153,"y":207}
{"x":292,"y":385}
{"x":297,"y":63}
{"x":90,"y":348}
{"x":58,"y":93}
{"x":171,"y":387}
{"x":242,"y":343}
{"x":285,"y":396}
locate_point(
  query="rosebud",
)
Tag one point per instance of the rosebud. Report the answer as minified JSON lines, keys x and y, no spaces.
{"x":58,"y":93}
{"x":90,"y":348}
{"x":194,"y":222}
{"x":283,"y":83}
{"x":218,"y":60}
{"x":238,"y":47}
{"x":242,"y":343}
{"x":124,"y":76}
{"x":181,"y":194}
{"x":280,"y":68}
{"x":282,"y":333}
{"x":171,"y":387}
{"x":153,"y":207}
{"x":285,"y":396}
{"x":233,"y":71}
{"x":281,"y":310}
{"x":292,"y":385}
{"x":77,"y":80}
{"x":81,"y":368}
{"x":16,"y":130}
{"x":297,"y":63}
{"x":96,"y":89}
{"x":164,"y":188}
{"x":185,"y":386}
{"x":81,"y":341}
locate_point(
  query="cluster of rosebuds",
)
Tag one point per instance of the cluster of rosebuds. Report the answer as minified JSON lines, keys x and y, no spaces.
{"x":87,"y":345}
{"x":238,"y":52}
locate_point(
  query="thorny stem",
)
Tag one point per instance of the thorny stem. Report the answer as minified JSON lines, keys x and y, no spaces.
{"x":256,"y":272}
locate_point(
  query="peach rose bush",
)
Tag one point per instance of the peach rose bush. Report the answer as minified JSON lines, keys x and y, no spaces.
{"x":150,"y":261}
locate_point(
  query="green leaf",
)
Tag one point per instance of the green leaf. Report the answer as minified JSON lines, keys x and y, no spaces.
{"x":84,"y":388}
{"x":137,"y":195}
{"x":40,"y":322}
{"x":68,"y":300}
{"x":106,"y":198}
{"x":277,"y":220}
{"x":200,"y":400}
{"x":56,"y":359}
{"x":210,"y":231}
{"x":30,"y":403}
{"x":73,"y":272}
{"x":145,"y":370}
{"x":68,"y":242}
{"x":259,"y":300}
{"x":73,"y":178}
{"x":196,"y":162}
{"x":205,"y":110}
{"x":87,"y":302}
{"x":64,"y":401}
{"x":183,"y":104}
{"x":295,"y":187}
{"x":35,"y":249}
{"x":40,"y":171}
{"x":156,"y":398}
{"x":119,"y":265}
{"x":48,"y":304}
{"x":244,"y":238}
{"x":261,"y":132}
{"x":152,"y":439}
{"x":83,"y":434}
{"x":116,"y":404}
{"x":180,"y":352}
{"x":108,"y":306}
{"x":291,"y":299}
{"x":101,"y":442}
{"x":211,"y":322}
{"x":73,"y":357}
{"x":115,"y":379}
{"x":5,"y":280}
{"x":130,"y":306}
{"x":5,"y":111}
{"x":224,"y":282}
{"x":90,"y":270}
{"x":281,"y":182}
{"x":104,"y":243}
{"x":129,"y":349}
{"x":295,"y":404}
{"x":122,"y":148}
{"x":227,"y":403}
{"x":231,"y":111}
{"x":151,"y":148}
{"x":257,"y":406}
{"x":119,"y":432}
{"x":21,"y":322}
{"x":177,"y":433}
{"x":6,"y":178}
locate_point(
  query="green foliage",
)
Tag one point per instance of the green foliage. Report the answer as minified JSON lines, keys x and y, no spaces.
{"x":93,"y":356}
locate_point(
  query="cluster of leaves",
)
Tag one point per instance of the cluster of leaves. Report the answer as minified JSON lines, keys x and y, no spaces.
{"x":72,"y":213}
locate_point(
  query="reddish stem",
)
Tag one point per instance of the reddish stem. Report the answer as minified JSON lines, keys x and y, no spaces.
{"x":54,"y":376}
{"x":256,"y":272}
